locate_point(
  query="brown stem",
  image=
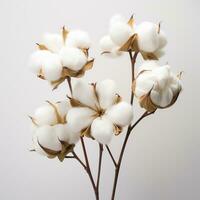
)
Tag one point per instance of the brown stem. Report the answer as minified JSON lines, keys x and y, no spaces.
{"x":111,"y":155}
{"x":117,"y":168}
{"x":130,"y":128}
{"x":99,"y":168}
{"x":133,"y":60}
{"x":79,"y":160}
{"x":89,"y":170}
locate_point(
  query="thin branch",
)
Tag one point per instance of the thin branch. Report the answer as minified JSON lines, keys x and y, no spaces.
{"x":78,"y":159}
{"x":88,"y":169}
{"x":69,"y":157}
{"x":99,"y":168}
{"x":111,"y":155}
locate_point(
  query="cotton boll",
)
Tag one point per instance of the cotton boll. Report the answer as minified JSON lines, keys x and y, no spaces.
{"x":73,"y":58}
{"x":37,"y":59}
{"x":148,"y":65}
{"x":84,"y":93}
{"x":116,"y":19}
{"x":74,"y":137}
{"x":162,"y":98}
{"x":106,"y":91}
{"x":79,"y":118}
{"x":53,"y":42}
{"x":120,"y":33}
{"x":162,"y":39}
{"x":63,"y":107}
{"x":102,"y":130}
{"x":144,"y":83}
{"x":159,"y":53}
{"x":45,"y":115}
{"x":47,"y":138}
{"x":79,"y":39}
{"x":148,"y":39}
{"x":52,"y":68}
{"x":106,"y":44}
{"x":62,"y":132}
{"x":121,"y":114}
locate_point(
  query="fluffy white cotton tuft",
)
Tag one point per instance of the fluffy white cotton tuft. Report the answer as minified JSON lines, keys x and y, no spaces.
{"x":79,"y":118}
{"x":148,"y":65}
{"x":45,"y":115}
{"x":148,"y":39}
{"x":162,"y":39}
{"x":121,"y":114}
{"x":52,"y":68}
{"x":79,"y":39}
{"x":84,"y":93}
{"x":62,"y":132}
{"x":37,"y":60}
{"x":117,"y":19}
{"x":102,"y":130}
{"x":46,"y":137}
{"x":106,"y":91}
{"x":120,"y":33}
{"x":53,"y":42}
{"x":63,"y":107}
{"x":106,"y":44}
{"x":73,"y":58}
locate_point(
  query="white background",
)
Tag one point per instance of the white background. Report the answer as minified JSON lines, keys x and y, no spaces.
{"x":162,"y":159}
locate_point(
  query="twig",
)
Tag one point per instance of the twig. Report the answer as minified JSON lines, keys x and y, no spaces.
{"x":89,"y":170}
{"x":112,"y":157}
{"x":79,"y":160}
{"x":99,"y":168}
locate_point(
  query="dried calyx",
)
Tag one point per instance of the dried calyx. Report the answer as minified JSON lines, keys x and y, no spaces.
{"x":146,"y":38}
{"x":62,"y":55}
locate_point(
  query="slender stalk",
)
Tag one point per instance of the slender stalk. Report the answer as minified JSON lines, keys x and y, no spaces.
{"x":78,"y":159}
{"x":111,"y":155}
{"x":89,"y":170}
{"x":117,"y":168}
{"x":99,"y":167}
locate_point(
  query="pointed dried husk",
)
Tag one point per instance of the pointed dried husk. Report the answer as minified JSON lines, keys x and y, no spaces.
{"x":131,"y":44}
{"x":66,"y":149}
{"x":117,"y":129}
{"x":131,"y":21}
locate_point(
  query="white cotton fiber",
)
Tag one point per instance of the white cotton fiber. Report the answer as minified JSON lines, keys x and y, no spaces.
{"x":63,"y":107}
{"x":62,"y":132}
{"x":37,"y":59}
{"x":148,"y":65}
{"x":116,"y":19}
{"x":102,"y":130}
{"x":79,"y":39}
{"x":148,"y":40}
{"x":53,"y":42}
{"x":84,"y":93}
{"x":73,"y":58}
{"x":52,"y":68}
{"x":106,"y":44}
{"x":121,"y":114}
{"x":162,"y":39}
{"x":47,"y":138}
{"x":79,"y":118}
{"x":106,"y":91}
{"x":45,"y":115}
{"x":120,"y":33}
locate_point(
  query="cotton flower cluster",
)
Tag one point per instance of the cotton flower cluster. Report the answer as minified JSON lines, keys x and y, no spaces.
{"x":156,"y":86}
{"x":52,"y":135}
{"x":62,"y":55}
{"x":146,"y":38}
{"x":98,"y":110}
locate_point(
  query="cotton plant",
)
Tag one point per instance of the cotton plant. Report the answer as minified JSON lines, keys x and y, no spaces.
{"x":96,"y":111}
